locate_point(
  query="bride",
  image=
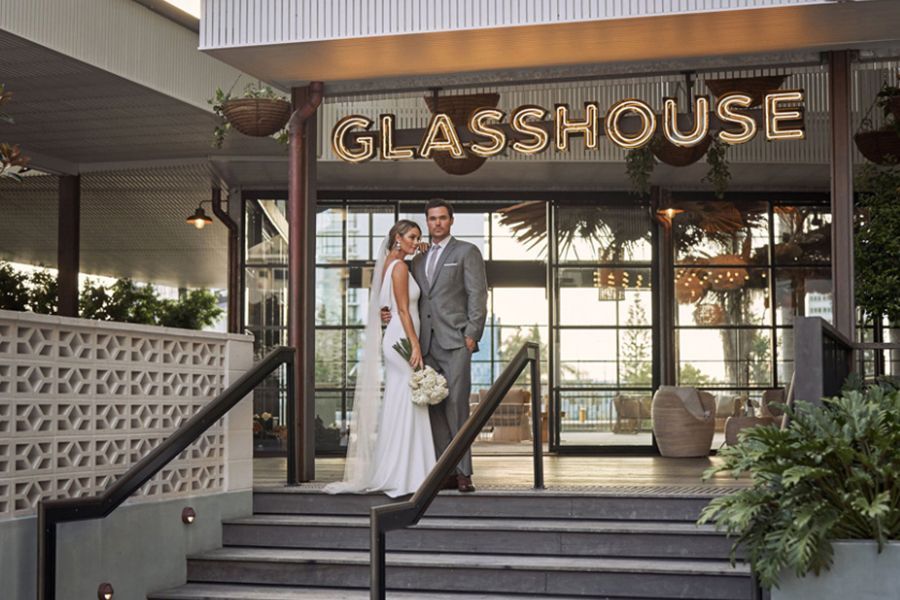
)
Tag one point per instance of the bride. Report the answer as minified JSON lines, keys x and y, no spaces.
{"x":391,"y":448}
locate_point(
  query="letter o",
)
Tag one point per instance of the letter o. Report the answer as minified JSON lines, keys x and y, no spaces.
{"x":644,"y":113}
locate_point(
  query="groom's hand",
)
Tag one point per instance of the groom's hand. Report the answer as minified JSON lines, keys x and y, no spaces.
{"x":423,"y":247}
{"x":470,"y":344}
{"x":385,"y":315}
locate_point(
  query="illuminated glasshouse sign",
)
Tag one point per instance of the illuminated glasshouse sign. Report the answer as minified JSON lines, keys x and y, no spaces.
{"x":628,"y":124}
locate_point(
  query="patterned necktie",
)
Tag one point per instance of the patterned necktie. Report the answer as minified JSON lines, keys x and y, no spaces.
{"x":432,"y":259}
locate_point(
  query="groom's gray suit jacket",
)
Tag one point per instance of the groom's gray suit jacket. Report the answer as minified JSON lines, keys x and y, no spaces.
{"x":455,"y":304}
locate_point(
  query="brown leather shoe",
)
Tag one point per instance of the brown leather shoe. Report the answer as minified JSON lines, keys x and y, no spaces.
{"x":450,"y":483}
{"x":464,"y":484}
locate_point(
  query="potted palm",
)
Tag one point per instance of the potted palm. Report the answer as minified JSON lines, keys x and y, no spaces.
{"x":822,"y":516}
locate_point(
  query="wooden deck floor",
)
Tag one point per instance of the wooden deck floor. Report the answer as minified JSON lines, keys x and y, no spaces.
{"x":559,"y":472}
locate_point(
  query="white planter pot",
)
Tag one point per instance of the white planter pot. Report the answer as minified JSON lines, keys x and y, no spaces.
{"x":859,"y":572}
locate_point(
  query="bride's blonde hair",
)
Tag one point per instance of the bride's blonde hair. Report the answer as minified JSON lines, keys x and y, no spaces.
{"x":401,"y":228}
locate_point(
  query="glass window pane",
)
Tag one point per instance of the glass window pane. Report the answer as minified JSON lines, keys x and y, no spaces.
{"x":802,"y":292}
{"x":713,"y":296}
{"x":516,"y":242}
{"x":802,"y":235}
{"x":725,"y":357}
{"x":330,"y":291}
{"x":719,"y":230}
{"x":266,"y":232}
{"x":330,"y":235}
{"x":609,"y":234}
{"x":329,"y":359}
{"x":604,"y":296}
{"x":331,"y":424}
{"x":588,"y":357}
{"x":604,"y":417}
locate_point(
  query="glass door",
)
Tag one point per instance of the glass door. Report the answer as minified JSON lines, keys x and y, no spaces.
{"x":603,"y":325}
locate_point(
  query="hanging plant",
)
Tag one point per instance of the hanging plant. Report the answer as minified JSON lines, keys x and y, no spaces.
{"x":719,"y":174}
{"x":881,"y":146}
{"x":258,"y":112}
{"x":639,"y":164}
{"x":12,"y":162}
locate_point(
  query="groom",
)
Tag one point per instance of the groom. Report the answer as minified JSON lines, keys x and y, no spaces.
{"x":452,"y":312}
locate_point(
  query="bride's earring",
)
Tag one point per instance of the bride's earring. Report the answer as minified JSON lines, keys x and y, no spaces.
{"x":397,"y":245}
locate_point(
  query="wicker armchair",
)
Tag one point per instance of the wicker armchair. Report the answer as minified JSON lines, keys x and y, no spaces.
{"x":768,"y":415}
{"x":680,"y":429}
{"x":510,"y":422}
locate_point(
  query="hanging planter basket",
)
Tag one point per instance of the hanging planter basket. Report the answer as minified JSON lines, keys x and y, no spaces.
{"x":458,"y":108}
{"x":678,"y":156}
{"x":882,"y":147}
{"x":257,"y":117}
{"x":755,"y":87}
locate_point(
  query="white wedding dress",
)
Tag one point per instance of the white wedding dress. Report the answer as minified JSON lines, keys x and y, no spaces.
{"x":391,"y":448}
{"x":404,"y":451}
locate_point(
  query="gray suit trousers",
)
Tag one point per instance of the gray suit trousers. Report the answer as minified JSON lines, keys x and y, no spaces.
{"x":448,"y":416}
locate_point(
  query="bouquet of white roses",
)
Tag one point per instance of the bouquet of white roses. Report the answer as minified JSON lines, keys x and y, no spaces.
{"x":428,"y":386}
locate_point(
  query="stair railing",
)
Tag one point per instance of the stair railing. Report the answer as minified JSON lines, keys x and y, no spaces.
{"x":53,"y":512}
{"x":399,"y":515}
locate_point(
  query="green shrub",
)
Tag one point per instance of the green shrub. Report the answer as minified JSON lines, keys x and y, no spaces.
{"x":831,"y":475}
{"x":44,"y":292}
{"x":194,"y":310}
{"x":13,"y":289}
{"x":123,"y":301}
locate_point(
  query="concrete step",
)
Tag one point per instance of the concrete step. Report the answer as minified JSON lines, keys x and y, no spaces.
{"x":649,"y":539}
{"x":206,"y":591}
{"x":522,"y":504}
{"x":449,"y":572}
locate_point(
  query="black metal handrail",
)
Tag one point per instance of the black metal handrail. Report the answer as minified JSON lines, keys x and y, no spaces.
{"x":399,"y":515}
{"x":53,"y":512}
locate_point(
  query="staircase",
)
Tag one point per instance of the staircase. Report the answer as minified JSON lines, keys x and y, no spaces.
{"x":585,"y":543}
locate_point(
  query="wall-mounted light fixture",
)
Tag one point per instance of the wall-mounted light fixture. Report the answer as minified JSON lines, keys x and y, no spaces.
{"x":199,"y":219}
{"x":188,"y":515}
{"x":105,"y":591}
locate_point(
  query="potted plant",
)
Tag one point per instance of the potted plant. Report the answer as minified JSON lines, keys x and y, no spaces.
{"x":12,"y":162}
{"x":259,"y":112}
{"x":881,"y":146}
{"x":822,"y":514}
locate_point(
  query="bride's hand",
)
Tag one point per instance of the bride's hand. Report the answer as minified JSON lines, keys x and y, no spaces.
{"x":415,"y":358}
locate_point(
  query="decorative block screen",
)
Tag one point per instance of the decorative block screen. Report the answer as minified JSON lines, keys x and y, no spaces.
{"x":81,"y":401}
